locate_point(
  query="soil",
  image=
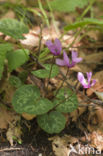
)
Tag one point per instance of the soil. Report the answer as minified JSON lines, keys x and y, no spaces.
{"x":35,"y":141}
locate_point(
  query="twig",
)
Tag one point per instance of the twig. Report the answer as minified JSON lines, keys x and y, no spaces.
{"x":10,"y":149}
{"x":40,"y":39}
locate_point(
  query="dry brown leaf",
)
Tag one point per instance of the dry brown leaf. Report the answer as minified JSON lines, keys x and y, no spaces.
{"x":94,"y":58}
{"x":9,"y":91}
{"x":14,"y":131}
{"x":97,"y":140}
{"x":97,"y":87}
{"x":90,"y":61}
{"x":6,"y":117}
{"x":28,"y":116}
{"x":60,"y":145}
{"x":99,"y":76}
{"x":95,"y":118}
{"x":32,"y":38}
{"x":75,"y":114}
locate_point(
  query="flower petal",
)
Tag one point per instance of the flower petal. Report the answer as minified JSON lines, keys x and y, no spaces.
{"x":66,"y":58}
{"x":89,"y":75}
{"x":49,"y":43}
{"x":82,"y":80}
{"x":93,"y":82}
{"x":77,"y":60}
{"x":60,"y":62}
{"x":74,"y":54}
{"x":52,"y":49}
{"x":58,"y":45}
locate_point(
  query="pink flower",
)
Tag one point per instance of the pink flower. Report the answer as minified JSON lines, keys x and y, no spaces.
{"x":66,"y":62}
{"x":55,"y":47}
{"x":86,"y":83}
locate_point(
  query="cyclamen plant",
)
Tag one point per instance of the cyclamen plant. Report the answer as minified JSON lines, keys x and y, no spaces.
{"x":49,"y":110}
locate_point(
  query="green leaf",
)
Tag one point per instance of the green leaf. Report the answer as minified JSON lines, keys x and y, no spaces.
{"x":25,"y":96}
{"x":67,"y":5}
{"x":15,"y":81}
{"x":54,"y":122}
{"x":84,"y":22}
{"x":27,"y":99}
{"x":39,"y":106}
{"x":66,"y":101}
{"x":43,"y":55}
{"x":13,"y":28}
{"x":3,"y":50}
{"x":44,"y":73}
{"x":17,"y":58}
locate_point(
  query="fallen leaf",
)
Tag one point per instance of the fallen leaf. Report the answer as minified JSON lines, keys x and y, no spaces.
{"x":95,"y":118}
{"x":97,"y":87}
{"x":6,"y":117}
{"x":28,"y":116}
{"x":100,"y":95}
{"x":97,"y":140}
{"x":99,"y":76}
{"x":14,"y":132}
{"x":60,"y":145}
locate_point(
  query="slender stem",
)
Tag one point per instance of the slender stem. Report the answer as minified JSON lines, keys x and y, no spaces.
{"x":52,"y":16}
{"x":62,"y":83}
{"x":43,"y":12}
{"x":87,"y":9}
{"x":50,"y":72}
{"x":35,"y":12}
{"x":76,"y":35}
{"x":40,"y":40}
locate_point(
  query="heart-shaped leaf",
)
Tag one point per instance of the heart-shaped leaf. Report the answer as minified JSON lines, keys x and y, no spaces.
{"x":25,"y":96}
{"x":27,"y":99}
{"x":66,"y":101}
{"x":17,"y":58}
{"x":44,"y":73}
{"x":53,"y":122}
{"x":15,"y":81}
{"x":39,"y":106}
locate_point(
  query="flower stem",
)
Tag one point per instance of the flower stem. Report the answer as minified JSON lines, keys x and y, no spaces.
{"x":62,"y":83}
{"x":50,"y":72}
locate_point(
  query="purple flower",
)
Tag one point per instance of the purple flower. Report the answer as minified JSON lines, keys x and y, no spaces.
{"x":55,"y":47}
{"x":66,"y":62}
{"x":86,"y":83}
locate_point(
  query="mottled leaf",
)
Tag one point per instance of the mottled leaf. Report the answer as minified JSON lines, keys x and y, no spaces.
{"x":13,"y":28}
{"x":53,"y":122}
{"x":66,"y":101}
